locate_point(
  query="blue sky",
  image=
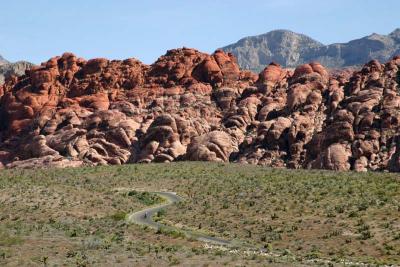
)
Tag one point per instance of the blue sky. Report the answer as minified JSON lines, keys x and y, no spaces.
{"x":117,"y":29}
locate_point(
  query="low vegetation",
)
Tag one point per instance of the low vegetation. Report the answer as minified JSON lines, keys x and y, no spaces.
{"x":77,"y":216}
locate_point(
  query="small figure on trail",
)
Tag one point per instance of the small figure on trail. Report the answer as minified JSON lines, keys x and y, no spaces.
{"x":145,"y":215}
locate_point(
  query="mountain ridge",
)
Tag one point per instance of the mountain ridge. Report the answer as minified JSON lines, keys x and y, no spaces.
{"x":8,"y":69}
{"x":291,"y":49}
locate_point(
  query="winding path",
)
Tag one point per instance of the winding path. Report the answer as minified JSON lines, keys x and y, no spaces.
{"x":145,"y":217}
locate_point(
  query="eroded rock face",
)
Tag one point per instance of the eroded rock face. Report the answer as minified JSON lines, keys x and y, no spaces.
{"x":190,"y":105}
{"x":161,"y":142}
{"x":335,"y":157}
{"x":46,"y":161}
{"x":365,"y":119}
{"x":213,"y":146}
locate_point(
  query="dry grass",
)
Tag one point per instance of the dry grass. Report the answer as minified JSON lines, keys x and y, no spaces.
{"x":76,"y":216}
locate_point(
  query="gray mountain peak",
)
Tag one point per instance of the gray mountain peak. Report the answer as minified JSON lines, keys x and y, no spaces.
{"x":7,"y":68}
{"x":291,"y":49}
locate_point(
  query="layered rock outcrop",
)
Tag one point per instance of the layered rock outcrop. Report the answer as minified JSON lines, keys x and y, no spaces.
{"x":190,"y":105}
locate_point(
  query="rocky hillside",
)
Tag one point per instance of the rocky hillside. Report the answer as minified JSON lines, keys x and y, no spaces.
{"x":190,"y":105}
{"x":292,"y":49}
{"x":2,"y":60}
{"x":7,"y":69}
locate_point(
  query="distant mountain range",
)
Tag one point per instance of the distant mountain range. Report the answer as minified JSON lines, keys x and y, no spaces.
{"x":291,"y":49}
{"x":7,"y":68}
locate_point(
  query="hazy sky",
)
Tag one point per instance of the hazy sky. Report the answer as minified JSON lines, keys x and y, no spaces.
{"x":36,"y":30}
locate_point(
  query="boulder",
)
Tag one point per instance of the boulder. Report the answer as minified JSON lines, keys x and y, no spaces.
{"x":214,"y":146}
{"x":335,"y":157}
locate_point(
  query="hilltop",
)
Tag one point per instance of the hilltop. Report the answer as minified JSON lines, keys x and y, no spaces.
{"x":291,"y":49}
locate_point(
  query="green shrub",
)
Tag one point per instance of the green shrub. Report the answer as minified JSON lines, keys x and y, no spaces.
{"x":145,"y":198}
{"x":7,"y":240}
{"x":119,"y":216}
{"x":171,"y":232}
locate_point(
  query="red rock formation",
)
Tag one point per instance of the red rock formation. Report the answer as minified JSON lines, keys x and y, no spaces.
{"x":365,"y":119}
{"x":190,"y":105}
{"x":213,"y":146}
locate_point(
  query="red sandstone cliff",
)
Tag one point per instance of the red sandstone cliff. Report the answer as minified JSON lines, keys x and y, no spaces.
{"x":190,"y":105}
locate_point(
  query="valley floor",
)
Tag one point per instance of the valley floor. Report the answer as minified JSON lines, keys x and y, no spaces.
{"x":77,"y":216}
